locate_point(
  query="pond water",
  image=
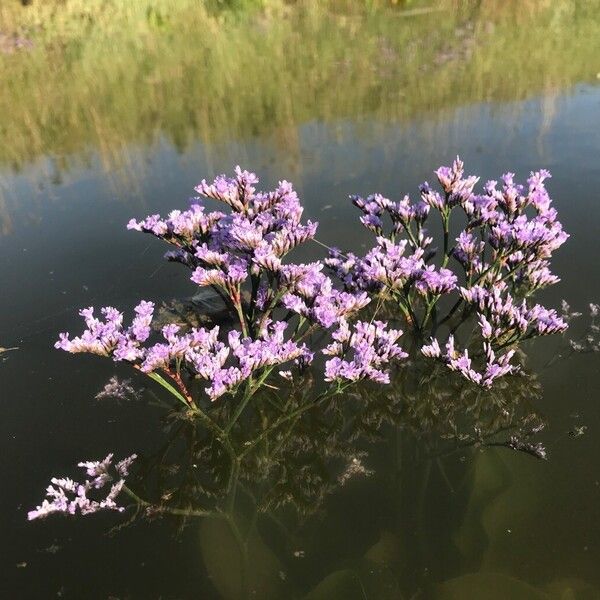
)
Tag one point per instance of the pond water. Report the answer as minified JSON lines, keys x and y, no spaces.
{"x":355,"y":505}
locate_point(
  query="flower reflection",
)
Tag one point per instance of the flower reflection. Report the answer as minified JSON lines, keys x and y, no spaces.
{"x":255,"y":496}
{"x":291,"y":451}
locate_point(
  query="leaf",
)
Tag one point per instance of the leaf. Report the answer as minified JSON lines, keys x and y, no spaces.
{"x":491,"y":586}
{"x":343,"y":584}
{"x":259,"y":576}
{"x":361,"y":580}
{"x":490,"y":478}
{"x":571,"y":589}
{"x":516,"y":515}
{"x":387,"y":551}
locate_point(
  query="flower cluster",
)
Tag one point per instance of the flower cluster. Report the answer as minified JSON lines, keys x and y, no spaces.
{"x":402,"y":215}
{"x":491,"y":269}
{"x":71,"y":497}
{"x":224,"y":365}
{"x":387,"y":267}
{"x":200,"y":351}
{"x":248,"y":246}
{"x":362,"y":351}
{"x":489,"y":273}
{"x":502,"y":317}
{"x":225,"y":249}
{"x":311,"y":294}
{"x":107,"y":337}
{"x":460,"y":362}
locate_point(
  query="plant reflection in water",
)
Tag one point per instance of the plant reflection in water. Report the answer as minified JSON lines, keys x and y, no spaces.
{"x":260,"y":494}
{"x":263,"y":465}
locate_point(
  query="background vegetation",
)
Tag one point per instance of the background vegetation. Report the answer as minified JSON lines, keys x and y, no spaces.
{"x":99,"y":75}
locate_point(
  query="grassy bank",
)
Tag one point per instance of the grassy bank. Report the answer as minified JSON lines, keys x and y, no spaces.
{"x":102,"y":75}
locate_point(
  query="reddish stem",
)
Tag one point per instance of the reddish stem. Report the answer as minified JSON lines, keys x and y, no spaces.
{"x":176,"y":377}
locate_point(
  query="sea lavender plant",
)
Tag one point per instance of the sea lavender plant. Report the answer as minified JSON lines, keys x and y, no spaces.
{"x":242,"y":255}
{"x":244,"y":251}
{"x":491,"y":270}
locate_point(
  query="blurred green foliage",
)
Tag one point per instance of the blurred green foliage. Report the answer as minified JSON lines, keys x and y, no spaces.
{"x":103,"y":75}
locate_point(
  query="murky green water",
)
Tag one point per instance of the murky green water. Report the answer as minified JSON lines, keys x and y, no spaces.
{"x":407,"y":493}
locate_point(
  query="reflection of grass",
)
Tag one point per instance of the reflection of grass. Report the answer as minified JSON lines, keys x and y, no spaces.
{"x":103,"y":75}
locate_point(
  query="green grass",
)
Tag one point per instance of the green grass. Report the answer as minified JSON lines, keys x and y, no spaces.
{"x":104,"y":75}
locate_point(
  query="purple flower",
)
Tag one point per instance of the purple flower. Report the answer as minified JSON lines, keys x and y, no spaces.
{"x":385,"y":266}
{"x":493,"y":367}
{"x":248,"y":355}
{"x":237,"y":192}
{"x":363,"y":351}
{"x":455,"y":186}
{"x":107,"y":337}
{"x":432,"y":198}
{"x":545,"y":321}
{"x":435,"y":281}
{"x":70,"y":497}
{"x":538,"y":195}
{"x":199,"y":349}
{"x":468,"y":251}
{"x":179,"y":228}
{"x":312,"y":295}
{"x":432,"y":350}
{"x":206,"y":277}
{"x":266,"y":258}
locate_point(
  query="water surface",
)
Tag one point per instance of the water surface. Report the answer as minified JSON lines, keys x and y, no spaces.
{"x":490,"y":522}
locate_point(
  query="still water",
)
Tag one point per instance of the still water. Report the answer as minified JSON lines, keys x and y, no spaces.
{"x":388,"y":495}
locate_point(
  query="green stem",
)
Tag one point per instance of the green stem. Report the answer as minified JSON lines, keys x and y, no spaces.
{"x":411,"y":237}
{"x":170,"y":388}
{"x":255,"y":285}
{"x":221,"y":295}
{"x":495,"y":264}
{"x":404,"y":310}
{"x":430,"y":306}
{"x":308,"y":331}
{"x":232,"y":483}
{"x":382,"y":298}
{"x":446,"y":225}
{"x":240,"y":407}
{"x":287,"y":417}
{"x":218,"y":431}
{"x":411,"y":312}
{"x":456,"y":306}
{"x":249,"y":391}
{"x":185,"y":512}
{"x":270,"y":308}
{"x":451,"y":312}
